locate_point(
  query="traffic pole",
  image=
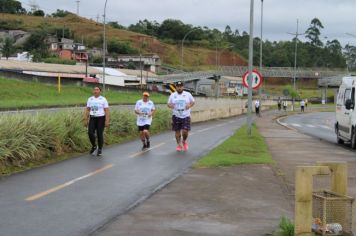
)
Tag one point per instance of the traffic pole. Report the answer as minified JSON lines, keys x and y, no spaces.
{"x":250,"y":76}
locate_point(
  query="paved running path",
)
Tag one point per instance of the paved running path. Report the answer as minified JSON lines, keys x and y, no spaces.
{"x":77,"y":196}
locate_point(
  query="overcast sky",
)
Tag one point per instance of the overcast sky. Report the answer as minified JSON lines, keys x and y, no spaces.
{"x":280,"y":16}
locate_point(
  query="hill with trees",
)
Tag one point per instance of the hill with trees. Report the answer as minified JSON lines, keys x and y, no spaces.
{"x":204,"y":48}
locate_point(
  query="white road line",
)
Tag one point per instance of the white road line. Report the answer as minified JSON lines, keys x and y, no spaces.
{"x":310,"y":126}
{"x":296,"y":125}
{"x":61,"y":186}
{"x":325,"y":127}
{"x":206,"y":129}
{"x":142,"y":152}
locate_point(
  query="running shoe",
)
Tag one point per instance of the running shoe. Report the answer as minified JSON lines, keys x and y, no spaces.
{"x":185,"y":146}
{"x":92,"y":150}
{"x":148,"y":144}
{"x":99,"y":152}
{"x":144,"y":147}
{"x":179,"y":148}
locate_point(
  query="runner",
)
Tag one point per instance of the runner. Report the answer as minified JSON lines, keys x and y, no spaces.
{"x":144,"y":110}
{"x":180,"y":102}
{"x":96,"y":118}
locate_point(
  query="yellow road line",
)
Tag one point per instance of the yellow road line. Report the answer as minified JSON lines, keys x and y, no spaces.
{"x":61,"y":186}
{"x":142,"y":152}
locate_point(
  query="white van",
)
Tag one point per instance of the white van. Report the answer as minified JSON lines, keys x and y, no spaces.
{"x":345,"y":125}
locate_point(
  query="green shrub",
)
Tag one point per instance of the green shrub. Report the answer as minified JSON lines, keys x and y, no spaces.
{"x":54,"y":60}
{"x":286,"y":228}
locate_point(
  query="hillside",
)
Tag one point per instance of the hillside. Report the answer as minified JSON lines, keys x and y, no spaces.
{"x":91,"y":32}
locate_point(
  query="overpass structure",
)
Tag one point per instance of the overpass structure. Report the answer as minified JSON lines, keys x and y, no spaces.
{"x":195,"y":79}
{"x":267,"y":72}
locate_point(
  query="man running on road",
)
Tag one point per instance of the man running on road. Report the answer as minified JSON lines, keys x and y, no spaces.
{"x":180,"y":102}
{"x":96,"y":118}
{"x":144,"y":110}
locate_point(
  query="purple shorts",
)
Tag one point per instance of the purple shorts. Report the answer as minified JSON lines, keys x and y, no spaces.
{"x":180,"y":123}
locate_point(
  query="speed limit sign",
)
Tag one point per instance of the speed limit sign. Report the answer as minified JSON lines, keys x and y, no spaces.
{"x":256,"y":79}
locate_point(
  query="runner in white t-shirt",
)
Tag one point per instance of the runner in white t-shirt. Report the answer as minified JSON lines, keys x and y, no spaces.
{"x":180,"y":102}
{"x":96,"y":118}
{"x":144,"y":110}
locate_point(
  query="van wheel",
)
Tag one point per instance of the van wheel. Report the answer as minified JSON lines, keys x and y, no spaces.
{"x":353,"y":139}
{"x":338,"y":139}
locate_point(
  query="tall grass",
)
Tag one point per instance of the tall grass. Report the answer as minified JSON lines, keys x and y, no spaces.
{"x":26,"y":139}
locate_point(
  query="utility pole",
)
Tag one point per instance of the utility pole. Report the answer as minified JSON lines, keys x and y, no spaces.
{"x":104,"y":46}
{"x":295,"y":60}
{"x":261,"y":43}
{"x":250,"y":76}
{"x":78,"y":1}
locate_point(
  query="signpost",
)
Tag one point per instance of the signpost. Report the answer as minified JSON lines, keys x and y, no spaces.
{"x":256,"y":79}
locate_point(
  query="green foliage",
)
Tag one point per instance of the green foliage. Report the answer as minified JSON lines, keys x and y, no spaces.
{"x":61,"y":13}
{"x":11,"y":7}
{"x":313,"y":32}
{"x":286,"y":228}
{"x":11,"y":24}
{"x":116,"y":25}
{"x":37,"y":45}
{"x":115,"y":46}
{"x":240,"y":148}
{"x":46,"y":136}
{"x":55,"y":60}
{"x":7,"y":48}
{"x":290,"y":91}
{"x":38,"y":13}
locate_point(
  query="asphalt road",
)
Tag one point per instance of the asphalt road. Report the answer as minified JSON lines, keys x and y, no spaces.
{"x":319,"y":125}
{"x":78,"y":196}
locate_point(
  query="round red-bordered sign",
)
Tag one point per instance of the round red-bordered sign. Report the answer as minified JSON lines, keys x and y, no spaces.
{"x":256,"y":81}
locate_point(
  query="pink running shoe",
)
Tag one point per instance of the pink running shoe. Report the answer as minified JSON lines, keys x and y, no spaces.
{"x":185,"y":146}
{"x":179,"y":148}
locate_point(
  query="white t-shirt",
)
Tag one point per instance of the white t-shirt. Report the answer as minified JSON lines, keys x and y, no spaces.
{"x":145,"y":107}
{"x":97,"y":105}
{"x":180,"y":102}
{"x":302,"y":103}
{"x":257,"y":104}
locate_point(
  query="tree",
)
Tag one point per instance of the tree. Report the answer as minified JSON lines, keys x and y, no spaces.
{"x":116,"y":25}
{"x":313,"y":32}
{"x":11,"y":7}
{"x":350,"y":55}
{"x":61,"y":13}
{"x":38,"y":13}
{"x":7,"y":48}
{"x":117,"y":47}
{"x":37,"y":45}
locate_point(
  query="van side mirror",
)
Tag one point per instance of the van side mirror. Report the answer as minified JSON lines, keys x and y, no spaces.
{"x":349,"y":104}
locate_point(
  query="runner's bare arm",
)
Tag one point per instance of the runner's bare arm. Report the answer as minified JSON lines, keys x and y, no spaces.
{"x":107,"y":117}
{"x":86,"y":116}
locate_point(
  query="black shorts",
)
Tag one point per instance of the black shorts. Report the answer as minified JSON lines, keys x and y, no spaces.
{"x":143,"y":127}
{"x":180,"y":123}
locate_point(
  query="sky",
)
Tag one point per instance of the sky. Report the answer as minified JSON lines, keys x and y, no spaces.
{"x":279,"y":16}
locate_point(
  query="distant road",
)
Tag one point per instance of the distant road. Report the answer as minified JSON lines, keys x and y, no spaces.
{"x":319,"y":124}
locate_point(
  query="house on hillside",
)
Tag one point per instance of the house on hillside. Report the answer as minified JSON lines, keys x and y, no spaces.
{"x":67,"y":49}
{"x":149,"y":62}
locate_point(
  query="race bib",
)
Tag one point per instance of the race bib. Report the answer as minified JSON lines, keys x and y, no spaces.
{"x":180,"y":106}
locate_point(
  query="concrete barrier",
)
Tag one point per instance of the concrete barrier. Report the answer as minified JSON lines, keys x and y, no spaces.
{"x":216,"y":108}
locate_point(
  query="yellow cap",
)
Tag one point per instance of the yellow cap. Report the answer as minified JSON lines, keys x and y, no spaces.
{"x":146,"y":94}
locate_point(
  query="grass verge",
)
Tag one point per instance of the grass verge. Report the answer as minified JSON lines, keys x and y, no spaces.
{"x":238,"y":149}
{"x":19,"y":94}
